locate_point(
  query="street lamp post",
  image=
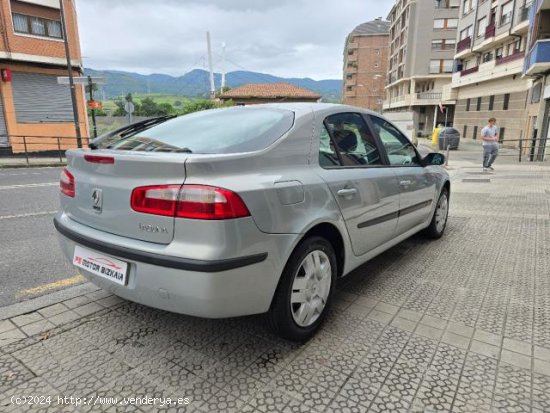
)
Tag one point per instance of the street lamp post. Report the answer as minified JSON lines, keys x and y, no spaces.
{"x":71,"y":82}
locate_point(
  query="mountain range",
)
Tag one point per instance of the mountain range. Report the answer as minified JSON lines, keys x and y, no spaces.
{"x":196,"y":83}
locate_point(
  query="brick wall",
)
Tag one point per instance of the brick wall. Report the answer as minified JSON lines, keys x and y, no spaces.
{"x":33,"y":45}
{"x":370,"y":76}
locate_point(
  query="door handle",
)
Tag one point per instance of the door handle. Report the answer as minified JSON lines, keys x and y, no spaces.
{"x":347,"y":192}
{"x":404,"y":183}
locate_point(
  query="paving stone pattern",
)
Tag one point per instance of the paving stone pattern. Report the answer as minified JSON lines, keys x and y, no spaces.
{"x":460,"y":324}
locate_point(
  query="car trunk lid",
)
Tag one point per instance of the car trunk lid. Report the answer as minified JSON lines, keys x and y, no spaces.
{"x":104,"y":181}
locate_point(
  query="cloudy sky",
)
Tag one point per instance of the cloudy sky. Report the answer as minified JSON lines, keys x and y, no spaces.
{"x":290,"y":38}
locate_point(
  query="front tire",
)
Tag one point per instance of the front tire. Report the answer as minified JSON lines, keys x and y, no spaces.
{"x":439,"y":220}
{"x":305,"y":291}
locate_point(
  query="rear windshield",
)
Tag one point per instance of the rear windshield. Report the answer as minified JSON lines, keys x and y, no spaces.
{"x":229,"y":130}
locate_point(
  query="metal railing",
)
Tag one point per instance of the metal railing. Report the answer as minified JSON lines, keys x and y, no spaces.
{"x":36,"y":146}
{"x":510,"y":58}
{"x":429,"y":95}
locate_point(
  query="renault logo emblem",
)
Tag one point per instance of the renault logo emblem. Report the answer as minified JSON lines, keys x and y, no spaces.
{"x":97,"y":199}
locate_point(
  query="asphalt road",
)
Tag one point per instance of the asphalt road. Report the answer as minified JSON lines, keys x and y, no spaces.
{"x":31,"y":262}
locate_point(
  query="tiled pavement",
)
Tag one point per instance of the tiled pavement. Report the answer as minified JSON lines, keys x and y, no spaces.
{"x":459,"y":324}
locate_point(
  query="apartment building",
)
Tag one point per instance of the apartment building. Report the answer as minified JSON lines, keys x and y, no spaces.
{"x":488,"y":81}
{"x":537,"y":67}
{"x":366,"y":65}
{"x":32,"y":55}
{"x":422,"y":48}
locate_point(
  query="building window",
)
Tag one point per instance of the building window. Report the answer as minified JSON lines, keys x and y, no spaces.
{"x":349,"y":88}
{"x":475,"y":133}
{"x":481,"y":25}
{"x":491,"y":102}
{"x":506,"y":13}
{"x":441,"y":66}
{"x":501,"y":134}
{"x":445,"y":23}
{"x":478,"y":106}
{"x":467,"y":105}
{"x":465,"y":131}
{"x":498,"y":53}
{"x":36,"y":26}
{"x":464,"y":34}
{"x":535,"y":93}
{"x":506,"y":101}
{"x":447,"y":4}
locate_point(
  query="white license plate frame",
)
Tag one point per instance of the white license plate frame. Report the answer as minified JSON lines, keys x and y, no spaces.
{"x":100,"y":264}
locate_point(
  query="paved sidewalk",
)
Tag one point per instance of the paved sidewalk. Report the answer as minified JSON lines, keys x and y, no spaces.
{"x":458,"y":324}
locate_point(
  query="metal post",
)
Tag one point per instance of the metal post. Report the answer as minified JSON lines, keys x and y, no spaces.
{"x":520,"y":148}
{"x":91,"y":91}
{"x":71,"y":81}
{"x":26,"y":151}
{"x":447,"y":155}
{"x":59,"y":150}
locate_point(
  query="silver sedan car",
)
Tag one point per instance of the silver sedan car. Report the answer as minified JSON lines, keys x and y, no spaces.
{"x":246,"y":210}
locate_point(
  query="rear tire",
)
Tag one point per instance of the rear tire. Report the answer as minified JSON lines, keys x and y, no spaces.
{"x":439,"y":220}
{"x":305,"y":291}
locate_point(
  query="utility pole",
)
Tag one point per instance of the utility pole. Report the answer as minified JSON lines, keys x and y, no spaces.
{"x":223,"y":68}
{"x":212,"y":87}
{"x":71,"y":82}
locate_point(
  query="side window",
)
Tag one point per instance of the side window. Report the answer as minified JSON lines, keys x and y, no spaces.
{"x":345,"y":140}
{"x":400,"y":150}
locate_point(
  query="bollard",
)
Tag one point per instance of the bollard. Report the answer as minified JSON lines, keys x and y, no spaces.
{"x":447,"y":155}
{"x":26,"y":151}
{"x":59,"y":150}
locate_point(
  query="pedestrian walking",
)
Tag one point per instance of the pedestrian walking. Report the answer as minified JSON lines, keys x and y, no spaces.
{"x":489,"y":136}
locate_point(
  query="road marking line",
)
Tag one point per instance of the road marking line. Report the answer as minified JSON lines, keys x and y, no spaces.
{"x":34,"y":214}
{"x":29,"y":185}
{"x":67,"y":282}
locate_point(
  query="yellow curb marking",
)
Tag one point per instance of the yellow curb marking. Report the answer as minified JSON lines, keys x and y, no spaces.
{"x":52,"y":286}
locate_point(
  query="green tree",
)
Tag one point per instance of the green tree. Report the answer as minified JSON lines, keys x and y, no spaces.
{"x":148,"y":107}
{"x":165,"y":109}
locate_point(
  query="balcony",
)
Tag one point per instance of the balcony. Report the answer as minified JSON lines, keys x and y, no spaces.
{"x":538,"y":59}
{"x":541,"y":5}
{"x":471,"y":70}
{"x":490,"y":31}
{"x":509,"y":58}
{"x":463,"y":44}
{"x":428,"y":96}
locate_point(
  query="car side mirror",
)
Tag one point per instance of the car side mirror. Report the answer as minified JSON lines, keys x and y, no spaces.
{"x":434,"y":158}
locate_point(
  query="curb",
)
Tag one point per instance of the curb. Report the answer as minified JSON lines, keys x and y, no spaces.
{"x":33,"y":165}
{"x":47,"y":300}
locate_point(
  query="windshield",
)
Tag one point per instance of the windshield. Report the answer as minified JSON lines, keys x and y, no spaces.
{"x":228,"y":130}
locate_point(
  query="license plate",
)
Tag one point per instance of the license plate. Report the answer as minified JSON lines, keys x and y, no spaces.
{"x":101,"y":265}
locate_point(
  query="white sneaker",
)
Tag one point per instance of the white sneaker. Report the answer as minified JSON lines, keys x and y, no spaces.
{"x":485,"y":169}
{"x":491,"y":168}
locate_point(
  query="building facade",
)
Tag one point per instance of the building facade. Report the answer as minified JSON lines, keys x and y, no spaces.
{"x":366,"y":65}
{"x":537,"y":68}
{"x":488,"y":81}
{"x":422,"y":48}
{"x":34,"y":109}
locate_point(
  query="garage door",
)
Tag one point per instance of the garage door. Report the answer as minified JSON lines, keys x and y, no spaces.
{"x":38,"y":98}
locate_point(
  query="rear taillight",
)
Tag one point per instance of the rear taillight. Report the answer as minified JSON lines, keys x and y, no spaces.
{"x":66,"y":183}
{"x":189,"y":201}
{"x":99,"y":159}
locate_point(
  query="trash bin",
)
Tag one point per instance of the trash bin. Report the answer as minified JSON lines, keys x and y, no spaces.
{"x":435,"y":134}
{"x":448,"y":137}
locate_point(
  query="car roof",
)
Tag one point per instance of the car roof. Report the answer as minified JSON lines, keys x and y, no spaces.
{"x":304,"y":108}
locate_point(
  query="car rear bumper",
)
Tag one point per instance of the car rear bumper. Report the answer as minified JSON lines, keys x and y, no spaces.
{"x":204,"y":288}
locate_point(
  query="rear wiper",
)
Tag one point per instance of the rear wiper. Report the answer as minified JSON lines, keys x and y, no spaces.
{"x":129,"y":130}
{"x":183,"y":150}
